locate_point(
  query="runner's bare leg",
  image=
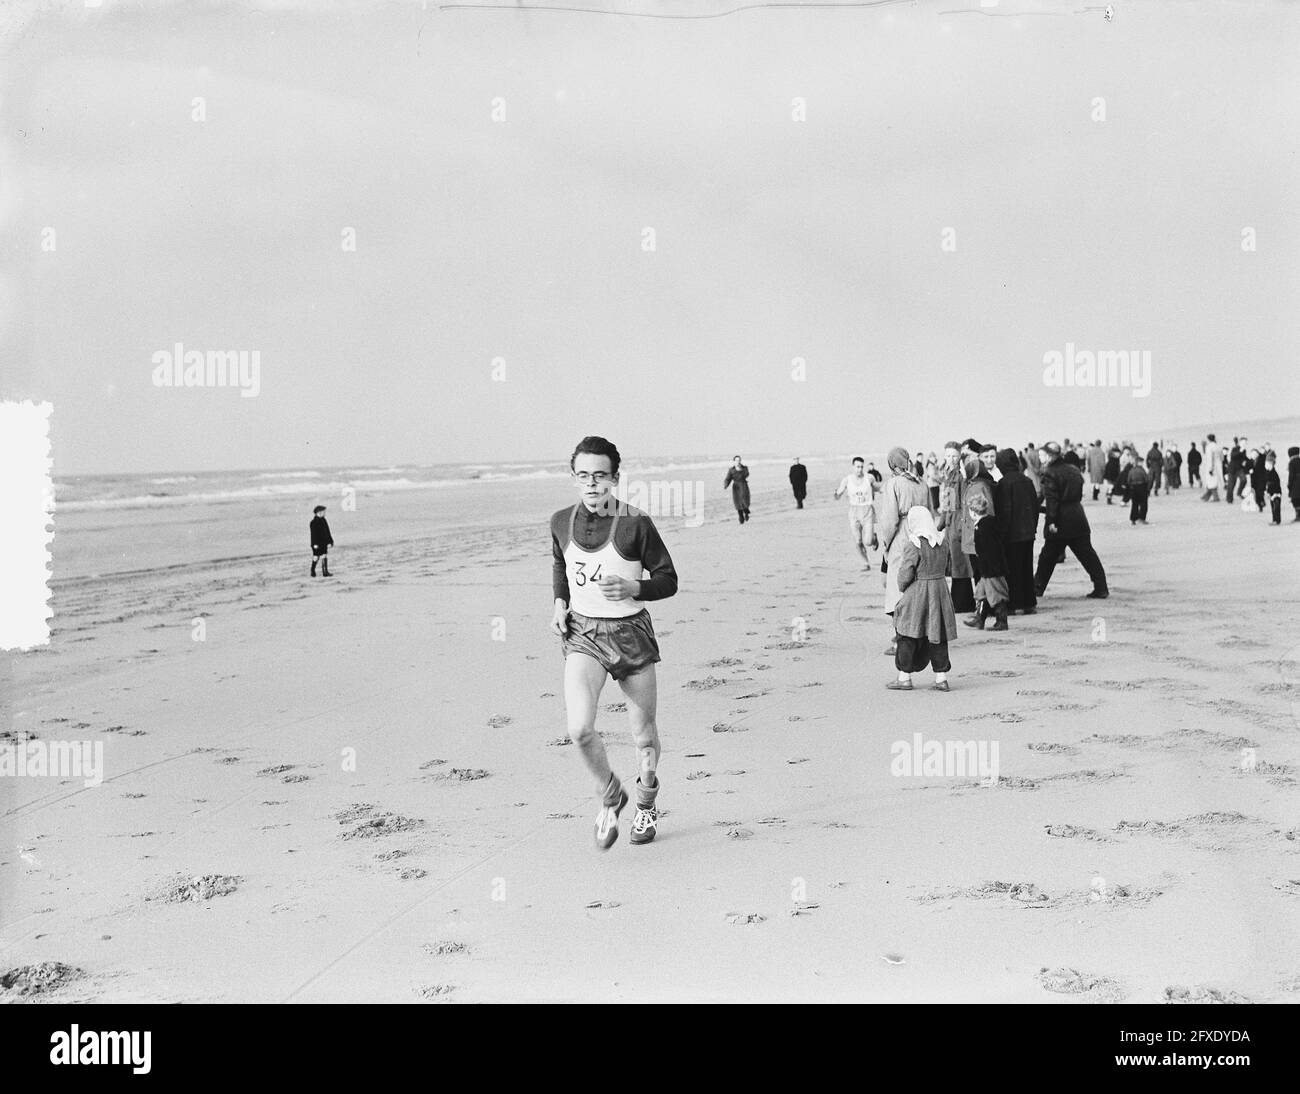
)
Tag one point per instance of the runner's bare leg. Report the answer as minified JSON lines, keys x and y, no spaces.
{"x":583,"y":679}
{"x":642,"y":691}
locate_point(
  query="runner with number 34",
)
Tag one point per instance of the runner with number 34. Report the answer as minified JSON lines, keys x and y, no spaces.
{"x":601,"y":547}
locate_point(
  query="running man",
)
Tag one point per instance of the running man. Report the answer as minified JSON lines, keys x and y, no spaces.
{"x":601,"y":546}
{"x":860,"y":488}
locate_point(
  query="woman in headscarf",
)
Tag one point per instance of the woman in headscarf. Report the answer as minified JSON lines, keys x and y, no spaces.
{"x":897,"y":497}
{"x":978,"y":482}
{"x":738,"y":479}
{"x":924,"y":620}
{"x":949,"y":522}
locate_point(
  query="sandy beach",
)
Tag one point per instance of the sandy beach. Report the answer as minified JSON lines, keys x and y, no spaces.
{"x":371,"y":782}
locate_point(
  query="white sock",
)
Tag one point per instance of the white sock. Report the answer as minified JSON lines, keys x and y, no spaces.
{"x":940,"y":677}
{"x":904,"y":677}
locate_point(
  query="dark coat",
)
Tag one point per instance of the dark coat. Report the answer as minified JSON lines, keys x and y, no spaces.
{"x":1272,"y":483}
{"x":320,"y":534}
{"x":1015,"y":502}
{"x":924,"y":610}
{"x":1154,"y":462}
{"x":988,"y":549}
{"x":982,"y":483}
{"x":1063,"y":500}
{"x":738,"y":479}
{"x":1257,"y":473}
{"x":799,"y":480}
{"x":1293,"y":480}
{"x":1194,"y":459}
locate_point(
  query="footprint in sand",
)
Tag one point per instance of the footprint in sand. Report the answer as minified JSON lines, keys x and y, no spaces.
{"x":39,"y":979}
{"x":694,"y":775}
{"x":278,"y":769}
{"x":462,"y":775}
{"x":602,"y":904}
{"x":707,"y":684}
{"x":798,"y":760}
{"x":741,"y":919}
{"x":804,"y":909}
{"x":436,"y":993}
{"x":1072,"y":831}
{"x":431,"y":763}
{"x":723,"y":727}
{"x":559,"y":742}
{"x":1177,"y":993}
{"x":735,"y":771}
{"x":724,"y":662}
{"x":1052,"y":747}
{"x":499,"y":720}
{"x":412,"y":873}
{"x":445,"y":948}
{"x":615,"y":708}
{"x":1291,"y":887}
{"x":560,"y":816}
{"x":296,"y":778}
{"x":739,"y":833}
{"x":1092,"y":989}
{"x":181,"y":889}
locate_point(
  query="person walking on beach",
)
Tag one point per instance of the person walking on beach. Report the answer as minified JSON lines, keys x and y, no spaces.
{"x":903,"y":492}
{"x":1193,"y":466}
{"x":798,"y":482}
{"x":738,"y":479}
{"x":1139,"y":489}
{"x":924,"y":620}
{"x":1236,"y":459}
{"x":1015,"y":506}
{"x":600,"y":548}
{"x":1096,"y":464}
{"x":321,"y":542}
{"x":1213,"y":465}
{"x":1155,"y":466}
{"x":860,"y":488}
{"x":1066,"y":524}
{"x":1033,"y":468}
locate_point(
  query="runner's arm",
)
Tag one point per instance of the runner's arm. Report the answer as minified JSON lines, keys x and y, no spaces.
{"x":559,"y":575}
{"x":649,"y":548}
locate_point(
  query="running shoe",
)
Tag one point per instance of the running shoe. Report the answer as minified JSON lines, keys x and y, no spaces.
{"x":644,"y":824}
{"x":607,"y":822}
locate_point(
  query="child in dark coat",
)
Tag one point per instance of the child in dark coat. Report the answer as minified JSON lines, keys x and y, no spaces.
{"x":321,"y":541}
{"x":1273,"y":486}
{"x":992,"y":596}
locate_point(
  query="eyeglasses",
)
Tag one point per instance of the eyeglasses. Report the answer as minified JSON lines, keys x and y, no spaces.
{"x":592,"y":476}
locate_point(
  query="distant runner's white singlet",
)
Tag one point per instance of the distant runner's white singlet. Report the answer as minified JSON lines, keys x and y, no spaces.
{"x":859,"y":490}
{"x":585,"y":568}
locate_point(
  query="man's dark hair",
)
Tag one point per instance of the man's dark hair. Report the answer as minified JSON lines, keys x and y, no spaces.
{"x":596,"y":446}
{"x":857,"y":459}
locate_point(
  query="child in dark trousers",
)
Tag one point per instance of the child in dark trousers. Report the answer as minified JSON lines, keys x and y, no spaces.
{"x":924,"y":620}
{"x":1273,"y":487}
{"x":992,"y":596}
{"x":321,"y":541}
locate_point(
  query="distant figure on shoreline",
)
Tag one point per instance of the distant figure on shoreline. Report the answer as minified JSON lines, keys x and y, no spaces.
{"x":798,"y":482}
{"x":738,"y":479}
{"x":321,"y":542}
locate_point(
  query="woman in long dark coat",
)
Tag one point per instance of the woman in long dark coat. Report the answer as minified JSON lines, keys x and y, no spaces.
{"x":738,"y":479}
{"x":924,"y":620}
{"x":950,"y":507}
{"x":1016,"y":507}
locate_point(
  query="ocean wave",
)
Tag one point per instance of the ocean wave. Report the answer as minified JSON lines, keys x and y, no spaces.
{"x":174,"y":479}
{"x":265,"y":492}
{"x":288,"y":475}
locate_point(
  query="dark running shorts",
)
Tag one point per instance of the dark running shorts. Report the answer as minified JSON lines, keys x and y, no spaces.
{"x":622,"y":646}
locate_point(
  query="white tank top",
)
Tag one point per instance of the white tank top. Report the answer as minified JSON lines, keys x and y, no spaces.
{"x":859,"y":490}
{"x":584,"y":570}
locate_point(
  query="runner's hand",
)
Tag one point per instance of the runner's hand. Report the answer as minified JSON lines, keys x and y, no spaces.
{"x":560,"y":620}
{"x":618,"y":588}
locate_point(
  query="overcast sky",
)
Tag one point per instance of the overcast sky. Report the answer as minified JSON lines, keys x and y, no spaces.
{"x":522,"y":238}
